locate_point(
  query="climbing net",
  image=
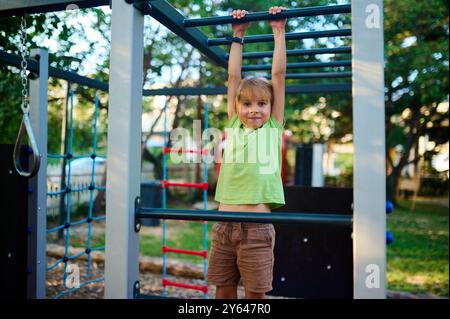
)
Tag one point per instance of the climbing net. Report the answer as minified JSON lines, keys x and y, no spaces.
{"x":68,"y":191}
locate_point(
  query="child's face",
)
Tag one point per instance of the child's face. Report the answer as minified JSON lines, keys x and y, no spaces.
{"x":254,"y":112}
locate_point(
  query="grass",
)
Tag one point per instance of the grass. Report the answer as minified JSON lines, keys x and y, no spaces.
{"x":417,"y":260}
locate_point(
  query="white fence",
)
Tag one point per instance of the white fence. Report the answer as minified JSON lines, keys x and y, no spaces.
{"x":79,"y":179}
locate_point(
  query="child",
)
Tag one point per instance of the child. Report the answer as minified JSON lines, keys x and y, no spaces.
{"x":255,"y":111}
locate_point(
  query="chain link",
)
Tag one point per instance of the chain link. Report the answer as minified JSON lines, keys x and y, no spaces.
{"x":23,"y":64}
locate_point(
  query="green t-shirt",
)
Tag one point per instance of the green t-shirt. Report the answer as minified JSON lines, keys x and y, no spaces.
{"x":250,"y":171}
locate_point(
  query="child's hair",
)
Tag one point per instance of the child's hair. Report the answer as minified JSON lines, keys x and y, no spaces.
{"x":255,"y":87}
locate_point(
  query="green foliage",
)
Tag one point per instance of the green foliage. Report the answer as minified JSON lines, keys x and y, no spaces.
{"x":345,"y":178}
{"x":417,"y":66}
{"x":396,"y":136}
{"x":416,"y":78}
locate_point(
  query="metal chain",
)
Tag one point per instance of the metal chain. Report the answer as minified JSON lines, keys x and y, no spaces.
{"x":25,"y":126}
{"x":23,"y":73}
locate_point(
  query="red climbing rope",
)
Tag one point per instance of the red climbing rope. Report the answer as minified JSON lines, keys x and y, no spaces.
{"x":166,"y":183}
{"x":186,"y":286}
{"x":202,"y":253}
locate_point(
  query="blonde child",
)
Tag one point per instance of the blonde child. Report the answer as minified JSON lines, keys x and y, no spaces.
{"x":244,"y":251}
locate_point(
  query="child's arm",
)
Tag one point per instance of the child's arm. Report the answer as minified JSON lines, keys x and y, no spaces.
{"x":235,"y":62}
{"x":278,"y":65}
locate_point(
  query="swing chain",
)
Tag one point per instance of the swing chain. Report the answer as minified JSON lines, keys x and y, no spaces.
{"x":25,"y":126}
{"x":23,"y":64}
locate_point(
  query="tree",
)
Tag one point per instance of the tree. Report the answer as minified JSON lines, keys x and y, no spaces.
{"x":416,"y":35}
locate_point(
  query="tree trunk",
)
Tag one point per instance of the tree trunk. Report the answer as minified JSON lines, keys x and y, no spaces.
{"x":392,"y":185}
{"x":415,"y":130}
{"x":157,"y":162}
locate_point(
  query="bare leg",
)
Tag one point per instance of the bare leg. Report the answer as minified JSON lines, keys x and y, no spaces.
{"x":254,"y":295}
{"x":226,"y":292}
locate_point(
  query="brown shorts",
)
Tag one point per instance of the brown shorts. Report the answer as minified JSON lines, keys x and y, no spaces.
{"x":242,"y":251}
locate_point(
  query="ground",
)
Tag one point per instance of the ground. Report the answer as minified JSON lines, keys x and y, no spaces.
{"x":151,"y":284}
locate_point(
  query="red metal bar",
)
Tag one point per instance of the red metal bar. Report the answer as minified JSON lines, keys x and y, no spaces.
{"x":202,"y":253}
{"x":179,"y":150}
{"x":166,"y":183}
{"x":166,"y":282}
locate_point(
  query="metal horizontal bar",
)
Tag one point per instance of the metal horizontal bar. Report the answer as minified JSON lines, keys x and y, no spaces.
{"x":299,"y":65}
{"x":274,"y":217}
{"x":299,"y":52}
{"x":168,"y":16}
{"x":260,"y":16}
{"x":14,"y":7}
{"x":222,"y":90}
{"x":289,"y":36}
{"x":319,"y":88}
{"x":33,"y":66}
{"x":75,"y":78}
{"x":318,"y":75}
{"x":218,"y":90}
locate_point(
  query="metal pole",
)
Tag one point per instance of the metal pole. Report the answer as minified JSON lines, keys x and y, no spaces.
{"x":312,"y":75}
{"x":12,"y":59}
{"x":289,"y":36}
{"x":300,"y":65}
{"x":299,"y":52}
{"x":290,"y":89}
{"x":124,"y":152}
{"x":9,"y":8}
{"x":37,"y":205}
{"x":369,"y":182}
{"x":261,"y":16}
{"x":274,"y":217}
